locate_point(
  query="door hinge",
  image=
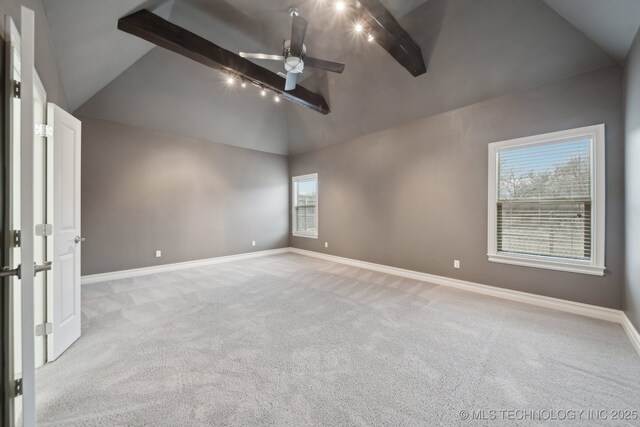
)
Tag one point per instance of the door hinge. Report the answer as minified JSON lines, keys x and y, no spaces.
{"x":44,"y":230}
{"x":15,"y":238}
{"x":43,"y":130}
{"x":17,"y":388}
{"x":17,"y":89}
{"x":44,"y":329}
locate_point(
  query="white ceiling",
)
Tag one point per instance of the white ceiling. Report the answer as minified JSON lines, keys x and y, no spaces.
{"x":92,"y":53}
{"x":612,"y":24}
{"x":483,"y":50}
{"x":328,"y":35}
{"x":89,"y":50}
{"x":168,"y":92}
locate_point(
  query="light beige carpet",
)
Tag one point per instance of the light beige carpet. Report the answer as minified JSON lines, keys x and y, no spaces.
{"x":291,"y":340}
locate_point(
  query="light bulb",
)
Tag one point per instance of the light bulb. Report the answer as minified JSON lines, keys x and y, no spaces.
{"x":370,"y":38}
{"x":230,"y":81}
{"x":276,"y":98}
{"x":243,"y":84}
{"x":263,"y":92}
{"x":340,"y":6}
{"x":358,"y":27}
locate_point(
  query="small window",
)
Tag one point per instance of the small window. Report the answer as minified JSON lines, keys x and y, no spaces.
{"x":305,"y":206}
{"x":547,"y":201}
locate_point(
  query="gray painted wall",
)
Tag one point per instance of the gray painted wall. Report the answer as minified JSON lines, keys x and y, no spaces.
{"x":632,"y":122}
{"x":415,"y":196}
{"x":46,"y":65}
{"x":144,"y":191}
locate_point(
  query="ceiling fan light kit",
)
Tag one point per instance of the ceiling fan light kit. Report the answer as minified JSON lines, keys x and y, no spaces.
{"x":372,"y":20}
{"x":294,"y":53}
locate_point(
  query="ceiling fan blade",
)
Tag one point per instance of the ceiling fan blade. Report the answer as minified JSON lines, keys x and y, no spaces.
{"x":292,"y":78}
{"x":321,"y":64}
{"x":298,"y":32}
{"x":262,"y":56}
{"x":166,"y":35}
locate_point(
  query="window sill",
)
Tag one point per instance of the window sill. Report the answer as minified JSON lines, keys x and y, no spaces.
{"x":308,"y":236}
{"x":548,"y":264}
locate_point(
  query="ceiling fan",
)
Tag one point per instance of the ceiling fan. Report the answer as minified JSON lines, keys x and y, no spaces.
{"x":294,"y":53}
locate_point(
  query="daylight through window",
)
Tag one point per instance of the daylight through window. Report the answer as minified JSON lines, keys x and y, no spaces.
{"x":544,"y":203}
{"x":305,"y":206}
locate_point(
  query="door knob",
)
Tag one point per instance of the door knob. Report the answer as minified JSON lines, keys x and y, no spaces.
{"x":79,"y":239}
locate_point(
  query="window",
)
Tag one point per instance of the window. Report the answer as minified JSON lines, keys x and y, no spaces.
{"x":547,"y":201}
{"x":305,"y":206}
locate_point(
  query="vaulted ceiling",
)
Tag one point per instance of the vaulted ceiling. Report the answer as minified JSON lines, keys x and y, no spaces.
{"x":476,"y":50}
{"x":612,"y":24}
{"x":90,"y":51}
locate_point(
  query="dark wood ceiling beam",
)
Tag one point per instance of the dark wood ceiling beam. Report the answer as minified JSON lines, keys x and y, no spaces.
{"x":392,"y":37}
{"x":163,"y":33}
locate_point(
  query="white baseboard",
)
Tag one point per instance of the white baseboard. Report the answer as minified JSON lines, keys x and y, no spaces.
{"x":632,"y":332}
{"x":587,"y":310}
{"x":115,"y":275}
{"x":594,"y":311}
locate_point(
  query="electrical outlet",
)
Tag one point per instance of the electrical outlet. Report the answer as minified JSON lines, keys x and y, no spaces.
{"x":253,"y":243}
{"x":158,"y":254}
{"x":326,"y":244}
{"x":456,"y":264}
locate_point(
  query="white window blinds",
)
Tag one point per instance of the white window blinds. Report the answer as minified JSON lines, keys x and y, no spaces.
{"x":544,"y":199}
{"x":305,"y":206}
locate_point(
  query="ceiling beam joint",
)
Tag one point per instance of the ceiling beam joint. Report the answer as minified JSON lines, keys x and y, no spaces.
{"x":165,"y":34}
{"x":390,"y":35}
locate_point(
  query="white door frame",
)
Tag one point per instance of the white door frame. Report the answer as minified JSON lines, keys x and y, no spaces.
{"x":14,"y":353}
{"x":27,"y":55}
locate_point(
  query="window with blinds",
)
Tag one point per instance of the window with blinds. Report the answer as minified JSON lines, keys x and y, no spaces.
{"x":546,"y":201}
{"x":305,"y":206}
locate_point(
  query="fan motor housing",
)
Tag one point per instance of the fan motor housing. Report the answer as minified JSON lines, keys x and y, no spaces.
{"x":293,"y":64}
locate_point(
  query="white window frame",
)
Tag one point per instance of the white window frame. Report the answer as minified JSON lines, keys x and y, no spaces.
{"x":594,"y":266}
{"x":294,"y":180}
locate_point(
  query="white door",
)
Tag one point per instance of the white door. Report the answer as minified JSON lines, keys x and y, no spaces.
{"x":25,"y":103}
{"x":11,"y":250}
{"x":63,"y":294}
